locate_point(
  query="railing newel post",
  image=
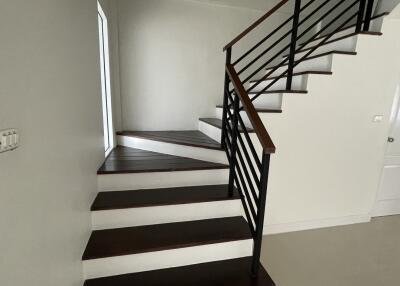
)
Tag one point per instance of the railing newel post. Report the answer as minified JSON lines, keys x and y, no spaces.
{"x":261,"y":213}
{"x":293,"y":44}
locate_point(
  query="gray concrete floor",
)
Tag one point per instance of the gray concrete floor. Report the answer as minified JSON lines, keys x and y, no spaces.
{"x":356,"y":255}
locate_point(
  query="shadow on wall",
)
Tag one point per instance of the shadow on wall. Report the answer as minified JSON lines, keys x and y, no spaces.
{"x":386,"y":6}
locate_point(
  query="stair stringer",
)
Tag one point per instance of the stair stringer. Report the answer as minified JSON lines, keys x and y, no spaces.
{"x":328,"y":136}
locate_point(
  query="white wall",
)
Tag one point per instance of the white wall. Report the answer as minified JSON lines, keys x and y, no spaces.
{"x":329,"y":152}
{"x":171,"y":60}
{"x":50,"y":91}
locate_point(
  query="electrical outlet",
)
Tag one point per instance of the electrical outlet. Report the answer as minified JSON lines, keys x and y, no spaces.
{"x":9,"y":140}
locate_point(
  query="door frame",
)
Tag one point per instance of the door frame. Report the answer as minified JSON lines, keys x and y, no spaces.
{"x":104,"y":53}
{"x":387,"y":204}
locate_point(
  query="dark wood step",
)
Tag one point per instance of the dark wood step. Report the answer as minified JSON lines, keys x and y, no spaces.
{"x":261,"y":110}
{"x":337,"y":52}
{"x":216,"y":122}
{"x":234,"y":272}
{"x":142,"y":239}
{"x":131,"y":160}
{"x":191,"y":138}
{"x":161,"y":197}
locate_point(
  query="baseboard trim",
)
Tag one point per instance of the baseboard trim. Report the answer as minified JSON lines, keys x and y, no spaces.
{"x":386,"y":208}
{"x":315,"y":224}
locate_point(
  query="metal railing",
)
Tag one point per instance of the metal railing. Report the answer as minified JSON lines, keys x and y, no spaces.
{"x":249,"y":168}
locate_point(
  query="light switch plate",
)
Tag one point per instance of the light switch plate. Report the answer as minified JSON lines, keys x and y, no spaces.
{"x":9,"y":140}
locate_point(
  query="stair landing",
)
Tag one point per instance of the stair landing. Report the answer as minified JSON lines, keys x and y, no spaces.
{"x":191,"y":138}
{"x":131,"y":160}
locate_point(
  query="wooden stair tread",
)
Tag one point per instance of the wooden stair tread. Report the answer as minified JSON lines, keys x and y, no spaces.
{"x":337,"y":52}
{"x":216,"y":122}
{"x":261,"y":110}
{"x":131,"y":160}
{"x":142,"y":239}
{"x":234,"y":272}
{"x":192,"y":138}
{"x":161,"y":197}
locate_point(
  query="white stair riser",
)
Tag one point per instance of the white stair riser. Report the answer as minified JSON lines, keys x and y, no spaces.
{"x":166,"y":259}
{"x":299,"y":83}
{"x":345,"y":45}
{"x":122,"y":182}
{"x":210,"y":131}
{"x":376,"y":25}
{"x":265,"y":101}
{"x":253,"y":136}
{"x":165,"y":214}
{"x":242,"y":114}
{"x":174,"y":149}
{"x":323,"y":63}
{"x":269,"y":101}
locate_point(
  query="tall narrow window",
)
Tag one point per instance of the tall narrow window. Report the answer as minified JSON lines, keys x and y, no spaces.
{"x":105,"y":81}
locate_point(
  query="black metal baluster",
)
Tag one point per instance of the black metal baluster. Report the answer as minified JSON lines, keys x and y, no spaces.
{"x":360,"y":17}
{"x":368,"y":15}
{"x":225,"y":101}
{"x":234,"y":144}
{"x":293,"y":43}
{"x":261,"y":213}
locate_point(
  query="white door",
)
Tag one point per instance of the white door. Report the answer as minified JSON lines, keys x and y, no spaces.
{"x":105,"y":81}
{"x":388,"y":199}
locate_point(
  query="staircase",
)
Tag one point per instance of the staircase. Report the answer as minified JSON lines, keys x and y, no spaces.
{"x":187,"y":207}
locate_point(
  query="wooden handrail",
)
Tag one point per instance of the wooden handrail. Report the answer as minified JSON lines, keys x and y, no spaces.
{"x":258,"y":126}
{"x":255,"y":24}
